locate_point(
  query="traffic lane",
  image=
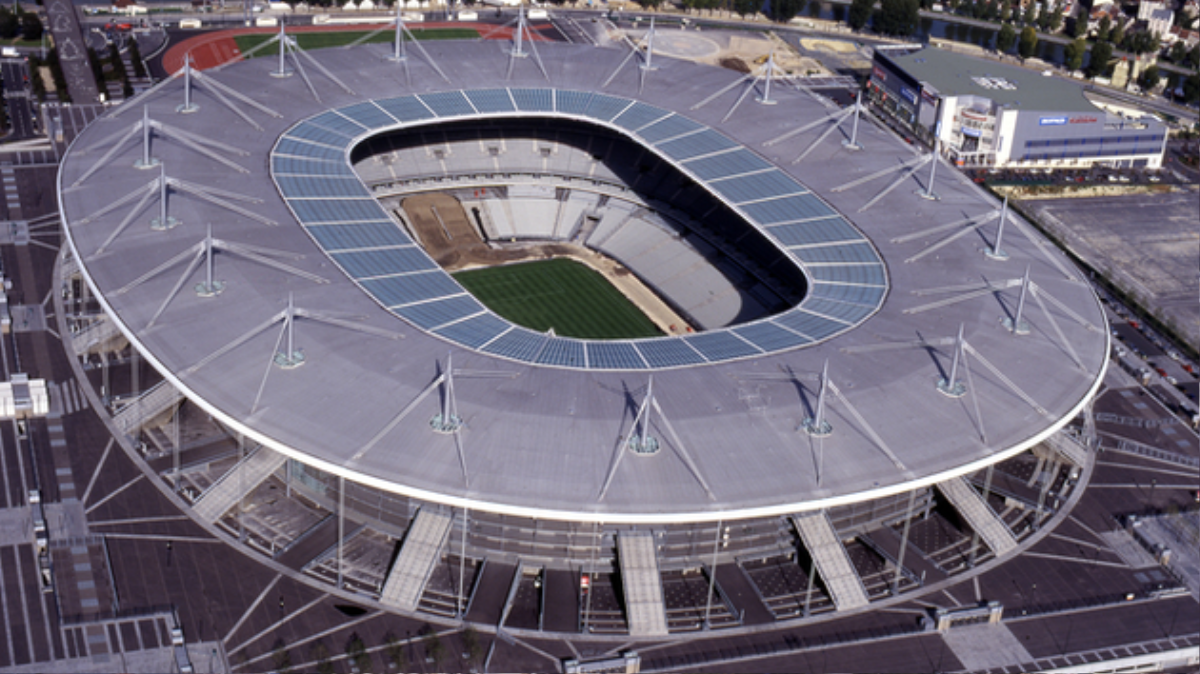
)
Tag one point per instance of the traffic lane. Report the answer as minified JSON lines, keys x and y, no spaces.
{"x":1121,"y":624}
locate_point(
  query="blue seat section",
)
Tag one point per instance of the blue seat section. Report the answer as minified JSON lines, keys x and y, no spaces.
{"x":384,"y":262}
{"x":337,"y":210}
{"x":393,"y":291}
{"x":639,"y":115}
{"x":864,"y":274}
{"x":475,"y":331}
{"x":789,"y":209}
{"x":316,"y":133}
{"x":565,"y":352}
{"x":822,"y":230}
{"x":572,"y":102}
{"x":429,"y":315}
{"x":491,"y":100}
{"x":613,"y":356}
{"x":841,"y":311}
{"x":448,"y":103}
{"x":675,"y":125}
{"x":324,"y":186}
{"x":368,"y":114}
{"x":671,"y":352}
{"x":358,"y":235}
{"x":757,"y":186}
{"x":867,"y":296}
{"x":695,"y":145}
{"x":812,"y":325}
{"x":848,"y":252}
{"x":296,"y":148}
{"x":733,"y":163}
{"x":405,"y":108}
{"x":285,"y":165}
{"x":604,"y":108}
{"x":335,"y":121}
{"x":769,"y":337}
{"x":720,"y":345}
{"x":518,"y":344}
{"x":534,"y":100}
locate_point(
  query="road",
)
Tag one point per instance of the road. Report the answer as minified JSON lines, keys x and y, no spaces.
{"x":16,"y":97}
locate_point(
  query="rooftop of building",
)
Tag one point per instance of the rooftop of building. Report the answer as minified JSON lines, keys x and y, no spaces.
{"x":952,"y":74}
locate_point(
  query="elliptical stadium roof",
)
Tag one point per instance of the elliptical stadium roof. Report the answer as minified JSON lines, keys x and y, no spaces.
{"x":547,"y":441}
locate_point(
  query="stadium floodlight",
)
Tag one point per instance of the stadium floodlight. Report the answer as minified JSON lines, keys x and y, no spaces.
{"x":995,"y":251}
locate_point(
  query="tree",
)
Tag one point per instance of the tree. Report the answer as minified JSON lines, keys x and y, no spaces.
{"x":1030,"y":13}
{"x":1194,"y":57}
{"x":1073,"y":54}
{"x":394,"y":650}
{"x":859,"y":14}
{"x":1118,"y":33}
{"x":1006,"y":39}
{"x":434,"y":650}
{"x":744,"y":7}
{"x":31,"y":27}
{"x":1178,"y":53}
{"x":1006,"y":11}
{"x":1079,"y":26}
{"x":356,"y":651}
{"x":783,"y":11}
{"x":1191,"y":88}
{"x":1056,"y":19}
{"x":1028,"y":42}
{"x":898,"y":17}
{"x":1149,"y":78}
{"x":1104,"y":29}
{"x":1098,"y":63}
{"x":10,"y":25}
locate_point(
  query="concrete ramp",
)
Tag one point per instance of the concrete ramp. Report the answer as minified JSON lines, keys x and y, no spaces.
{"x":1068,"y":448}
{"x":832,"y":561}
{"x":242,"y":478}
{"x":642,"y":584}
{"x":95,"y":335}
{"x":150,"y":404}
{"x":414,"y":565}
{"x":979,"y":516}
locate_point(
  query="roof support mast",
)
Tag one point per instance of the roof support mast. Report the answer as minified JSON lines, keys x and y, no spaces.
{"x":996,"y":252}
{"x":146,"y":161}
{"x":640,"y":440}
{"x":952,"y":386}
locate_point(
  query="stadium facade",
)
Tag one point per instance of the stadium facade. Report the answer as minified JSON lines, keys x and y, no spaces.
{"x":989,"y":114}
{"x":873,"y":337}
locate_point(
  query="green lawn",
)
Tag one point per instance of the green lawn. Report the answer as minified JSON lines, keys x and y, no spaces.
{"x":561,"y":294}
{"x":324,"y":39}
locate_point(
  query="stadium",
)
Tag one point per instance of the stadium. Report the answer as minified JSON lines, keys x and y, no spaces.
{"x":848,"y":350}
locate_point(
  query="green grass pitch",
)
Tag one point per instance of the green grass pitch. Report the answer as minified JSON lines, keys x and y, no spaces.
{"x":562,"y":294}
{"x":324,"y":39}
